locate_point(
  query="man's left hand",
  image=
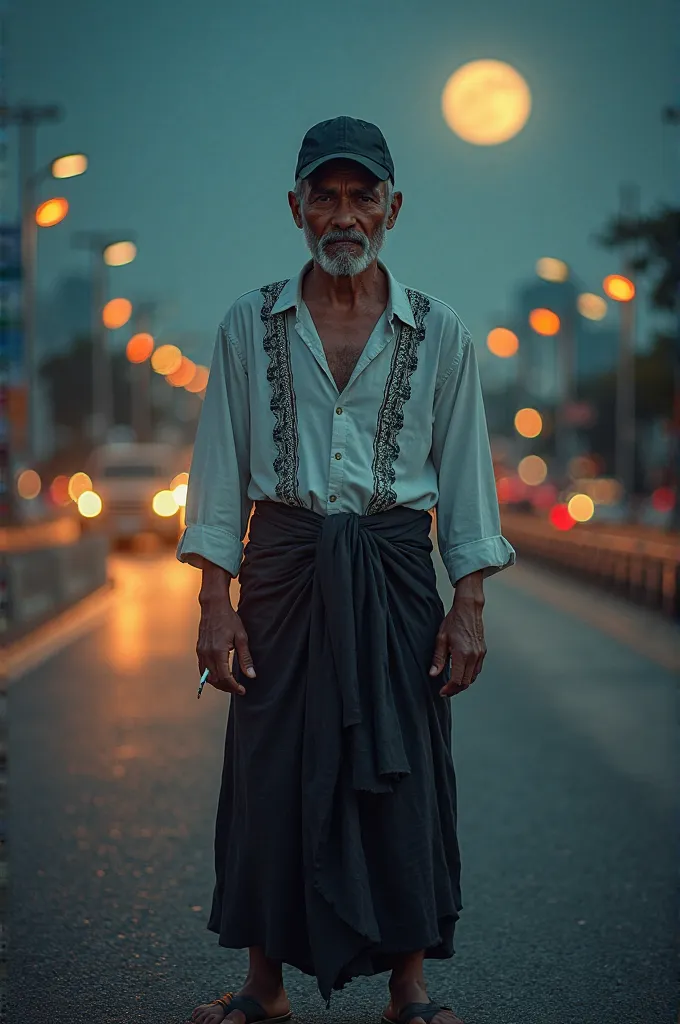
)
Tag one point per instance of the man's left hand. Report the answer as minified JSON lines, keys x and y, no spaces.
{"x":461,"y":636}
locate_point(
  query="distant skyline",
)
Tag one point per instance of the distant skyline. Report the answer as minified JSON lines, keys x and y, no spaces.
{"x":192,"y":116}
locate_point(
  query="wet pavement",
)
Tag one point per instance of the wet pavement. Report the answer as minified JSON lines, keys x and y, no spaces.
{"x":567,"y":757}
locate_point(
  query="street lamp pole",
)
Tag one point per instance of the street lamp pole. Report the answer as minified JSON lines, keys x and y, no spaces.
{"x":625,"y":379}
{"x":96,"y":242}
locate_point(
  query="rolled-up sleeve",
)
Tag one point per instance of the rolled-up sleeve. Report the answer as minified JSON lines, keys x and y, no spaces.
{"x":218,"y":506}
{"x":468,"y":519}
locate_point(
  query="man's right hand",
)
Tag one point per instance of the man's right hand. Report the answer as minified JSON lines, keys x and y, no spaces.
{"x":220,"y":631}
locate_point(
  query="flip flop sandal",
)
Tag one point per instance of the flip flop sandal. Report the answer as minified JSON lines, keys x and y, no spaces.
{"x":427,"y":1011}
{"x":255,"y":1014}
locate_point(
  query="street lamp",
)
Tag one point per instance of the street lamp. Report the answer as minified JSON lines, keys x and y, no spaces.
{"x":621,"y":289}
{"x":98,"y":244}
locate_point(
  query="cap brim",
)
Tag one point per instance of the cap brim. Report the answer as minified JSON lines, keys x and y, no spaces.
{"x":380,"y":172}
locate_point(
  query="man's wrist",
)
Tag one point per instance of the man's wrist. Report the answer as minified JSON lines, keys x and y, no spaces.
{"x":215,"y":583}
{"x":470,"y":588}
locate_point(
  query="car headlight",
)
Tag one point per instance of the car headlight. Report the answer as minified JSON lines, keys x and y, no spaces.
{"x":164,"y":504}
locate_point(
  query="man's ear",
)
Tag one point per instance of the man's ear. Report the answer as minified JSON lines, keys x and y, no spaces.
{"x":397,"y":200}
{"x":295,"y":208}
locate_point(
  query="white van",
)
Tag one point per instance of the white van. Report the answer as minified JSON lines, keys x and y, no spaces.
{"x":134,"y":483}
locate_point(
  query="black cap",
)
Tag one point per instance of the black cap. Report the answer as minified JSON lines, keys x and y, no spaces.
{"x":345,"y":138}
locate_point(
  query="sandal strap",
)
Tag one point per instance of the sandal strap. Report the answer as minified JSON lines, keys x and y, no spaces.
{"x":425,"y":1010}
{"x":253,"y":1011}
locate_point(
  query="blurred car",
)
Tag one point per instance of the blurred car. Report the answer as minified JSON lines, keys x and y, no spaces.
{"x":137,"y":484}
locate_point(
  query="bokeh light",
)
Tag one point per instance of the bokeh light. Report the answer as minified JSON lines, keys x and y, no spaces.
{"x":139,"y":347}
{"x":69,"y":166}
{"x":605,"y":491}
{"x":59,"y":490}
{"x":592,"y":307}
{"x":560,"y":518}
{"x":89,"y":504}
{"x":502,"y":342}
{"x":550,"y":269}
{"x":181,"y":478}
{"x":78,"y":484}
{"x":528,"y":422}
{"x":581,"y":508}
{"x":179,"y":493}
{"x":486,"y":102}
{"x":544,"y":321}
{"x":119,"y":253}
{"x":532,"y":470}
{"x":619,"y":288}
{"x":51,"y":212}
{"x":164,"y":504}
{"x":582,"y":466}
{"x":663,"y":499}
{"x":166,"y":359}
{"x":29,"y":484}
{"x":183,"y":375}
{"x":200,"y":380}
{"x":116,"y":313}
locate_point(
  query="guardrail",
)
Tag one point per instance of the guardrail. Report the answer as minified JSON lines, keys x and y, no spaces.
{"x":644,"y":566}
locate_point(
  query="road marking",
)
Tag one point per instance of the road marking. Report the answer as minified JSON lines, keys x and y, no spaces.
{"x":24,"y":654}
{"x":644,"y":631}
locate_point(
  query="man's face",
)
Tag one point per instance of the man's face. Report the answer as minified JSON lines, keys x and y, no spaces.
{"x":344,"y":216}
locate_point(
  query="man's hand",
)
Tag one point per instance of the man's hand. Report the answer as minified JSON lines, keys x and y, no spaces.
{"x":220,"y":631}
{"x":461,"y":635}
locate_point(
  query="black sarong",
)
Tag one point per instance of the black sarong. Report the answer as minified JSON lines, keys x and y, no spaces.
{"x":336,"y":838}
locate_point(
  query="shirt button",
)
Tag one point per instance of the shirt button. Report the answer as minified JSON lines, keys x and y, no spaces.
{"x":338,"y":455}
{"x":333,"y":497}
{"x":339,"y":411}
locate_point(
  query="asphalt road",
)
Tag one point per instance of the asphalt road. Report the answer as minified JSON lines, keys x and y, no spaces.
{"x":567,"y":751}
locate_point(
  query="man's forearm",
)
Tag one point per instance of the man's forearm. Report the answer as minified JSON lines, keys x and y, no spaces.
{"x":215,"y":582}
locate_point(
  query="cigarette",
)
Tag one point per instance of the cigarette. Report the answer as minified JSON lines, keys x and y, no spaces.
{"x":202,"y":680}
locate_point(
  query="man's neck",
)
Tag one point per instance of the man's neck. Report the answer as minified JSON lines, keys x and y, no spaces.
{"x":346,"y":294}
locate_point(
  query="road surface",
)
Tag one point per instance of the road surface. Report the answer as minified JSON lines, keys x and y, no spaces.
{"x":567,"y":756}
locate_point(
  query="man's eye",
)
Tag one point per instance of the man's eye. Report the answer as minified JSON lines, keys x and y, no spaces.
{"x":367,"y":198}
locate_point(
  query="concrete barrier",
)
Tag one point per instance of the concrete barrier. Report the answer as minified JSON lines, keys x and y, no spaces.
{"x":642,"y":566}
{"x":44,"y":581}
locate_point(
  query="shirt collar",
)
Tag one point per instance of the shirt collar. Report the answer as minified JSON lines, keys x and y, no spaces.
{"x":397,"y":300}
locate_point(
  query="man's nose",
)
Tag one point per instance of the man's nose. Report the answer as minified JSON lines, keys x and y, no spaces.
{"x":344,"y":217}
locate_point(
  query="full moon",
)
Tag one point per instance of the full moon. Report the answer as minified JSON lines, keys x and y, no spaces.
{"x":486,"y":102}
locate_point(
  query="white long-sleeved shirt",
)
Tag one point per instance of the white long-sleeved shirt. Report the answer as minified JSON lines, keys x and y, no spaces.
{"x":408,"y":429}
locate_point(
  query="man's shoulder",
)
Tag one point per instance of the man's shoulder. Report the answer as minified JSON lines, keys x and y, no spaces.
{"x":254,"y":300}
{"x":440,"y":315}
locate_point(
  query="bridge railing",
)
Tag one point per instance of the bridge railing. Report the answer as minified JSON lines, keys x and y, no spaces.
{"x":643,"y":566}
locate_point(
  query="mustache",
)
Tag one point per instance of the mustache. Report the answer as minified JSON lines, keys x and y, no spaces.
{"x":344,"y":236}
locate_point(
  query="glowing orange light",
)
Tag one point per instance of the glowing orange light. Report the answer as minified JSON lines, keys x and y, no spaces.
{"x":51,"y":212}
{"x":69,"y":166}
{"x":560,"y":518}
{"x":184,"y":375}
{"x":199,"y":381}
{"x":581,"y":508}
{"x":544,"y":321}
{"x":164,"y":504}
{"x":139,"y":347}
{"x":78,"y":484}
{"x":116,"y":313}
{"x":528,"y":422}
{"x":551,"y":269}
{"x":166,"y":359}
{"x":619,"y":288}
{"x":29,"y":484}
{"x":89,"y":504}
{"x":502,"y":342}
{"x":486,"y":102}
{"x":59,"y":490}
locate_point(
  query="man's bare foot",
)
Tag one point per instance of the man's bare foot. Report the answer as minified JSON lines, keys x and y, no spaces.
{"x":273,"y":1002}
{"x":411,"y":991}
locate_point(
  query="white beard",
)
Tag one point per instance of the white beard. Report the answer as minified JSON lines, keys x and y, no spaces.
{"x":345,"y":264}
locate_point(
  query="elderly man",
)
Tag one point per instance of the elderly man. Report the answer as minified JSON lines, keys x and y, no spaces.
{"x":346,"y":407}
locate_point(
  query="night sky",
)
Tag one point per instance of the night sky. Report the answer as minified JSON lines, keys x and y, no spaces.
{"x":192,"y":115}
